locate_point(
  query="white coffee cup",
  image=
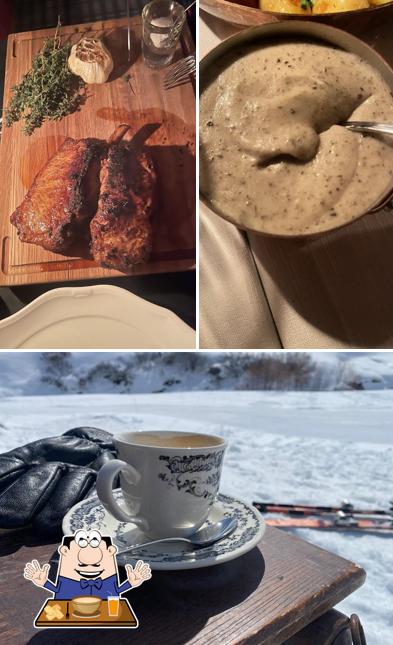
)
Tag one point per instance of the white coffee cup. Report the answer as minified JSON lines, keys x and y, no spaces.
{"x":169,"y":480}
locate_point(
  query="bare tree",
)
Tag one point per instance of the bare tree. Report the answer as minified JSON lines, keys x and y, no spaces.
{"x":57,"y":366}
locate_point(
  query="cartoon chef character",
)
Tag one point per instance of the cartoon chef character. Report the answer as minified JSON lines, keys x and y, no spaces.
{"x":87,"y":567}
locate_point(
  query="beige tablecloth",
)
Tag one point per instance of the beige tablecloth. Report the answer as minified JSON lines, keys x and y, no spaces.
{"x":233,"y":310}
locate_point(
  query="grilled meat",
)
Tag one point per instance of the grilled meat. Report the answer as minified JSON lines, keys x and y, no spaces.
{"x":57,"y":210}
{"x":95,"y":198}
{"x":121,"y":233}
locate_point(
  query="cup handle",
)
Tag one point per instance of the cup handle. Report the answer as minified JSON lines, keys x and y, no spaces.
{"x":105,"y":478}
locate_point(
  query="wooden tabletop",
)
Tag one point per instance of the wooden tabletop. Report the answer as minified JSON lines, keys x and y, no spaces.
{"x":266,"y":596}
{"x":333,"y":291}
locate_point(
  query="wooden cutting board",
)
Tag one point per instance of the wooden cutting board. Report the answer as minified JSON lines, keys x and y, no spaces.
{"x":164,"y":119}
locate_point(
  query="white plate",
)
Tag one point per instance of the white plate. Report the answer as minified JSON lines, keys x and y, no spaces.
{"x":90,"y":514}
{"x":99,"y":317}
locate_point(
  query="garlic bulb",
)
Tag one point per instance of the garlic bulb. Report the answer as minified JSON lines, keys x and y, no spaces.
{"x":91,"y":60}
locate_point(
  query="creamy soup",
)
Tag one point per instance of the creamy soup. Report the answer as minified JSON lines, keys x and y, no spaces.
{"x":274,"y":157}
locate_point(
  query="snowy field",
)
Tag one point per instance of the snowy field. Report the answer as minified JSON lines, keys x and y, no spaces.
{"x":300,"y":447}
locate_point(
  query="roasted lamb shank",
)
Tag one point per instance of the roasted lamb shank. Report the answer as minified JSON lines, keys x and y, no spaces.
{"x":57,"y":210}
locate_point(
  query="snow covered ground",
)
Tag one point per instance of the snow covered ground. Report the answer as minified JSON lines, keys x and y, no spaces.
{"x":310,"y":447}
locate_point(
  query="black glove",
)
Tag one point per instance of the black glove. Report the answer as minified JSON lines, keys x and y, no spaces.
{"x":41,"y":481}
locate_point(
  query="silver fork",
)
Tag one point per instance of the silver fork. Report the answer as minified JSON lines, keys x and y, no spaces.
{"x":180,"y":72}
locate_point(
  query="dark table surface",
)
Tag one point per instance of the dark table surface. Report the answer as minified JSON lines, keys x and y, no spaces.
{"x":266,"y":596}
{"x":175,"y":291}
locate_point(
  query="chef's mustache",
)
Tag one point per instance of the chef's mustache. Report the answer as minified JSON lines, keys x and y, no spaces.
{"x":88,"y":565}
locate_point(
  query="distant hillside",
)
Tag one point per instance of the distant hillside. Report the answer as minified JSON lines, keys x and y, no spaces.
{"x":72,"y":373}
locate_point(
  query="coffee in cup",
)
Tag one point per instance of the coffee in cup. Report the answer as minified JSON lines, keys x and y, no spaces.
{"x":169,"y":480}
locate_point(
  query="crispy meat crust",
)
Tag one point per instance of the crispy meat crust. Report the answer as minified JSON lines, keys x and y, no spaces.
{"x":121,"y":233}
{"x":57,"y":209}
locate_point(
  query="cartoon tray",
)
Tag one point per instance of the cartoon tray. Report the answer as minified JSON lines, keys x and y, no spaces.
{"x":125,"y":618}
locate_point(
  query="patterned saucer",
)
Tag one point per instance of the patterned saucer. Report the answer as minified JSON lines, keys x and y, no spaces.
{"x":90,"y":514}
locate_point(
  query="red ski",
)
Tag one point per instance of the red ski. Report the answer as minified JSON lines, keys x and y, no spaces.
{"x":345,"y":523}
{"x":304,"y":510}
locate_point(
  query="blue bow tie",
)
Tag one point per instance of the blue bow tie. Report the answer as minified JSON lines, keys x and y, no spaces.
{"x":91,"y":583}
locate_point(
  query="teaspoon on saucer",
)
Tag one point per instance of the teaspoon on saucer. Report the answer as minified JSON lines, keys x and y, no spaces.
{"x":201,"y":538}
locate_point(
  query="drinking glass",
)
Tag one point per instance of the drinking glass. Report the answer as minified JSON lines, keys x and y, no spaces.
{"x":113,"y":605}
{"x":162,"y":22}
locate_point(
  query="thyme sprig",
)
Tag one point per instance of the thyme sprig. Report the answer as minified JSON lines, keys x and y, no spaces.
{"x":48,"y":91}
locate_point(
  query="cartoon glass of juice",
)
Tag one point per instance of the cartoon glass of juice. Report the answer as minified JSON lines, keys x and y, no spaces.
{"x":113,"y":605}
